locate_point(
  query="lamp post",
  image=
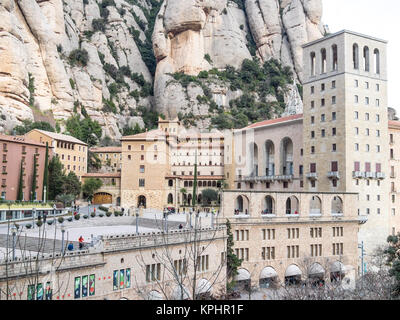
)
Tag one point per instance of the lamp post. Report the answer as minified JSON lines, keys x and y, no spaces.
{"x":14,"y":233}
{"x":190,"y":217}
{"x":62,"y":238}
{"x":44,"y":194}
{"x":137,"y":220}
{"x":89,"y":209}
{"x":33,"y":217}
{"x":165,"y":214}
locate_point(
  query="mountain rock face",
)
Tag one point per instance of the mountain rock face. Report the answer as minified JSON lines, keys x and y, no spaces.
{"x":58,"y":57}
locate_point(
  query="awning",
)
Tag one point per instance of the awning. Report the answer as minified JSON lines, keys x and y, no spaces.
{"x":180,"y":293}
{"x":292,"y":270}
{"x":243,"y":274}
{"x":203,"y":286}
{"x":337,"y":266}
{"x":155,"y":295}
{"x":268,"y":272}
{"x":316,"y":268}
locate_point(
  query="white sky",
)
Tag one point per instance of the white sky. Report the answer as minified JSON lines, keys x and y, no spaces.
{"x":378,"y":18}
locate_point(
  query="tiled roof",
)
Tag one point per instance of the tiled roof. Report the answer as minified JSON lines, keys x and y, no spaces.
{"x":393,"y":123}
{"x":60,"y":136}
{"x":107,"y":149}
{"x":274,"y":121}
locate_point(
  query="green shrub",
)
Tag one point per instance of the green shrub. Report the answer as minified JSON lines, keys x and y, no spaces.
{"x":208,"y":58}
{"x":61,"y":219}
{"x":117,"y":213}
{"x":50,"y":222}
{"x":70,"y":219}
{"x":39,"y":223}
{"x":101,"y":215}
{"x":28,"y":226}
{"x":77,"y":216}
{"x":72,"y":83}
{"x":108,"y":213}
{"x":92,"y":214}
{"x":99,"y":25}
{"x":105,"y":209}
{"x":85,"y":216}
{"x":79,"y":57}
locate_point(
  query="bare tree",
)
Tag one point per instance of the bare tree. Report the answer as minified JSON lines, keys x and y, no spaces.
{"x":36,"y":269}
{"x":178,"y":261}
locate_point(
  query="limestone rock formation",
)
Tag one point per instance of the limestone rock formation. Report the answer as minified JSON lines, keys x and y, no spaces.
{"x":195,"y":35}
{"x":39,"y":79}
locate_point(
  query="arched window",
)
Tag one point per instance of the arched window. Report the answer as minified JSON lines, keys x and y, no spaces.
{"x":366,"y":58}
{"x":269,"y":207}
{"x":315,"y":205}
{"x":170,"y":198}
{"x":323,"y":60}
{"x":337,"y":205}
{"x":334,"y":58}
{"x":377,"y":67}
{"x":355,"y":56}
{"x":286,"y":156}
{"x":200,"y":183}
{"x":312,"y":62}
{"x":269,"y":158}
{"x":292,"y":205}
{"x":170,"y":183}
{"x":253,"y":153}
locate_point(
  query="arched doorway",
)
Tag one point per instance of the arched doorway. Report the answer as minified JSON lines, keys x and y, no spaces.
{"x":102,"y":198}
{"x":142,"y":201}
{"x":268,"y":278}
{"x":316,"y":275}
{"x":242,"y":279}
{"x":118,"y":201}
{"x":337,"y":271}
{"x":293,"y":275}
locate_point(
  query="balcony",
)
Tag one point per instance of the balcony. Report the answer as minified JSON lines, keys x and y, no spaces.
{"x":267,"y":178}
{"x":312,"y":175}
{"x":370,"y":175}
{"x":362,"y":219}
{"x":333,"y":175}
{"x":380,"y":175}
{"x":358,"y":174}
{"x":284,"y":178}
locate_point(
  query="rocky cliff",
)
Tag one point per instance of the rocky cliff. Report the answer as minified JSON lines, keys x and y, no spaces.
{"x":106,"y":56}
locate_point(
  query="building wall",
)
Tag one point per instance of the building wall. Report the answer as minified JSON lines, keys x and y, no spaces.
{"x":351,"y":147}
{"x":393,"y":175}
{"x":12,"y":153}
{"x":73,"y":159}
{"x":120,"y":253}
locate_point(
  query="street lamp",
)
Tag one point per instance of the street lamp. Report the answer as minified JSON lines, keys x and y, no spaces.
{"x":165,"y":219}
{"x":44,"y":194}
{"x":33,"y":217}
{"x":14,"y":233}
{"x":137,"y":220}
{"x":62,"y":238}
{"x":89,"y":209}
{"x":190,"y":217}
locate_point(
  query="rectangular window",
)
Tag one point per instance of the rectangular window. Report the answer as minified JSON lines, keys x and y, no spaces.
{"x":115,"y":279}
{"x":77,"y":287}
{"x":92,"y":281}
{"x":333,"y":100}
{"x":366,"y":100}
{"x":333,"y":84}
{"x":141,"y":182}
{"x":334,"y":166}
{"x":333,"y":116}
{"x":85,"y":286}
{"x":141,"y":169}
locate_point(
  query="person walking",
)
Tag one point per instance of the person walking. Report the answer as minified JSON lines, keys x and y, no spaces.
{"x":81,"y":242}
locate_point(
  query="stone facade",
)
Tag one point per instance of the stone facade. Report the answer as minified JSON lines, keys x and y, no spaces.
{"x":158,"y":164}
{"x":137,"y":253}
{"x":110,"y":157}
{"x":71,"y":151}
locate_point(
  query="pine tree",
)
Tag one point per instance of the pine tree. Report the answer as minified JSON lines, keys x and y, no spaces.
{"x":20,"y":194}
{"x":46,"y":172}
{"x":34,"y":184}
{"x":232,"y":262}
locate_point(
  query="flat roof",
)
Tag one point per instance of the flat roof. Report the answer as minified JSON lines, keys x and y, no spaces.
{"x":22,"y":140}
{"x":342,"y":32}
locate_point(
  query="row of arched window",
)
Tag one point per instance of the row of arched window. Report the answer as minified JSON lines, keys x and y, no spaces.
{"x":356,"y":59}
{"x":291,"y":205}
